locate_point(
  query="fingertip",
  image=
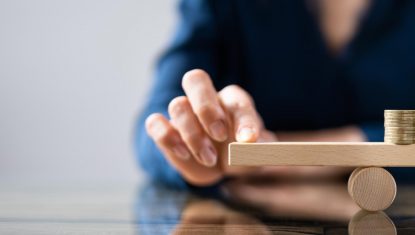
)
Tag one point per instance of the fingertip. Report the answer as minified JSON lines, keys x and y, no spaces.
{"x":192,"y":76}
{"x":246,"y":134}
{"x":158,"y":128}
{"x":152,"y":120}
{"x":177,"y":105}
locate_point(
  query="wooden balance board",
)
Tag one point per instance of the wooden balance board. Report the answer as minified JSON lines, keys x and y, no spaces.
{"x":357,"y":154}
{"x":371,"y":187}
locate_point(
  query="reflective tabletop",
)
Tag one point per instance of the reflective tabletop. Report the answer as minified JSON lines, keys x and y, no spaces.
{"x":245,"y":207}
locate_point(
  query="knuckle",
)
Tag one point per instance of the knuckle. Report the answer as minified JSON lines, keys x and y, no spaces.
{"x":206,"y":109}
{"x":192,"y":136}
{"x":177,"y":105}
{"x":242,"y":104}
{"x":237,"y":97}
{"x":194,"y":76}
{"x":233,"y":88}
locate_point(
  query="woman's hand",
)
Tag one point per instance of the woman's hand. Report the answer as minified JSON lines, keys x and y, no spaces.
{"x":202,"y":124}
{"x":304,"y":199}
{"x":195,"y":139}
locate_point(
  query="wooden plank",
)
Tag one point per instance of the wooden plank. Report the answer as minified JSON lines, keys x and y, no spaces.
{"x":322,"y":154}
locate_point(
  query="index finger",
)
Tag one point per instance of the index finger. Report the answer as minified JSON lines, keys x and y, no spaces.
{"x":205,"y":103}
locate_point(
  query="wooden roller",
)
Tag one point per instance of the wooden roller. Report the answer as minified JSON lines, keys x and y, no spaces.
{"x":372,"y":188}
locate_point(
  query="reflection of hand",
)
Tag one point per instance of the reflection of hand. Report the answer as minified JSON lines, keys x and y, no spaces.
{"x":296,"y":199}
{"x":212,"y":217}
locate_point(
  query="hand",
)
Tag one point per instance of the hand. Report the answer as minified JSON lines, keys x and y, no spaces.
{"x":203,"y":215}
{"x":195,"y":139}
{"x":309,"y":200}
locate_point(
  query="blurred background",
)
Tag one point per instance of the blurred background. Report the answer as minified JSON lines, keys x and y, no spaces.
{"x":73,"y":77}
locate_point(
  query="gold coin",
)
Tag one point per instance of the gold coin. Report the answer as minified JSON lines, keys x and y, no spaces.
{"x":410,"y":121}
{"x":387,"y":133}
{"x":399,"y":114}
{"x":399,"y":117}
{"x":405,"y":120}
{"x":409,"y":134}
{"x":402,"y":136}
{"x":411,"y":141}
{"x":399,"y":138}
{"x":399,"y":111}
{"x":391,"y":133}
{"x":399,"y":129}
{"x":399,"y":142}
{"x":399,"y":133}
{"x":402,"y":128}
{"x":400,"y":125}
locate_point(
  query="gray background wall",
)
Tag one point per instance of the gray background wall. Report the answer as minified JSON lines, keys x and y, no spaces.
{"x":73,"y":75}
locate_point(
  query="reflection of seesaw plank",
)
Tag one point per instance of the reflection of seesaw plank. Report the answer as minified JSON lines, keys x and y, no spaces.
{"x":322,"y":154}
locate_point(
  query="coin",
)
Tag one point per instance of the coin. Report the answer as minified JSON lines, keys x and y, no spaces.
{"x":393,"y":111}
{"x":387,"y":132}
{"x":400,"y":121}
{"x":400,"y":129}
{"x":399,"y":142}
{"x":399,"y":126}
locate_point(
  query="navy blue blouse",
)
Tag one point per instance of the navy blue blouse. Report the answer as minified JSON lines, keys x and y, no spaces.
{"x":275,"y":51}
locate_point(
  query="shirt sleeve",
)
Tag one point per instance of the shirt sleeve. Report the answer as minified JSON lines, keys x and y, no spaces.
{"x":194,"y":46}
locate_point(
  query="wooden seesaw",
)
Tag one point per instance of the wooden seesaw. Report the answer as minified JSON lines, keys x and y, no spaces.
{"x":372,"y":187}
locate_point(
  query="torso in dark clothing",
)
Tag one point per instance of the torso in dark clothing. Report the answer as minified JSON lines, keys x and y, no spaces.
{"x":276,"y":51}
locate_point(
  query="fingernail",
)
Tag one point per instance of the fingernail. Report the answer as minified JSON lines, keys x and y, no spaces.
{"x":208,"y":155}
{"x":245,"y":134}
{"x":218,"y":131}
{"x":181,"y":152}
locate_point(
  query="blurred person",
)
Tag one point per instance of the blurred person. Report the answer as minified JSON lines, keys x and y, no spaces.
{"x":253,"y":71}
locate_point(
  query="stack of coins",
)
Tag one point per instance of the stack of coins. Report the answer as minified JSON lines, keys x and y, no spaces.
{"x":400,"y":126}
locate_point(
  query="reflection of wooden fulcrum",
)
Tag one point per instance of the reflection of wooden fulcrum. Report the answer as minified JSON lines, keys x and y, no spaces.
{"x":371,"y":187}
{"x":364,"y":222}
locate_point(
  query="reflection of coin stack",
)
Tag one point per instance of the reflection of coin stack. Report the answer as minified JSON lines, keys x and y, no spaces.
{"x":400,"y":126}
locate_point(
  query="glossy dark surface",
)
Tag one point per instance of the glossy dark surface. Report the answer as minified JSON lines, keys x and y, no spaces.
{"x":255,"y":208}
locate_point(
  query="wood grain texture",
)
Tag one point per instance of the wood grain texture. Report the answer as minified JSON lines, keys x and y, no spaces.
{"x":372,"y":188}
{"x":322,"y":154}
